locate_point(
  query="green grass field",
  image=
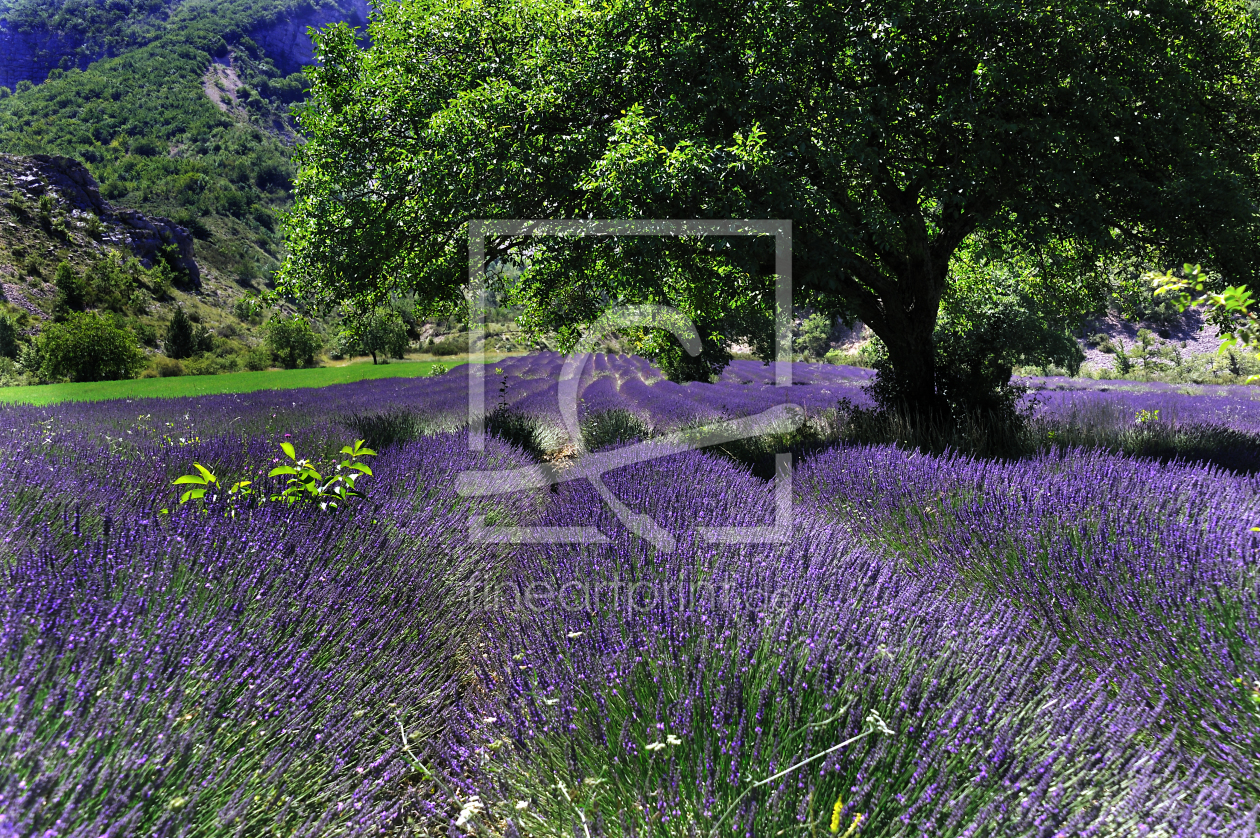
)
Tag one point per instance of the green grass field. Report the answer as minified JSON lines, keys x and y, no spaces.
{"x":202,"y":385}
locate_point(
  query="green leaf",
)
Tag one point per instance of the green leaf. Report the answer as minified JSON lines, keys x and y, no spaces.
{"x":189,"y":478}
{"x":362,"y":468}
{"x":282,"y":470}
{"x":206,"y":473}
{"x":287,"y":448}
{"x":192,"y":494}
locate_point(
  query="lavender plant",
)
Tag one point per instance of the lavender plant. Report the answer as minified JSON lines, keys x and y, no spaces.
{"x":1059,"y":644}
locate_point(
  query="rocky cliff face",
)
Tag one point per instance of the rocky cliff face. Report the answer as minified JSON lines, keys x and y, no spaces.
{"x":29,"y":56}
{"x":74,"y":193}
{"x":285,"y":40}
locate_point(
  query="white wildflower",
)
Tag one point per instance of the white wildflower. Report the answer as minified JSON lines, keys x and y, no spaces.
{"x":654,"y":746}
{"x":673,"y":740}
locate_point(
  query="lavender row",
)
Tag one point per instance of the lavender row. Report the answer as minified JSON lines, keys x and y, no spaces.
{"x":235,"y":670}
{"x":654,"y":690}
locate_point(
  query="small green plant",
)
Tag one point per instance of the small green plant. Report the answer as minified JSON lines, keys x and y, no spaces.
{"x":438,"y":369}
{"x":203,"y":481}
{"x":1146,"y":417}
{"x":307,"y":485}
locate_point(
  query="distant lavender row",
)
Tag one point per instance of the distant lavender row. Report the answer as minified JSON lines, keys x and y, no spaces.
{"x":529,"y":383}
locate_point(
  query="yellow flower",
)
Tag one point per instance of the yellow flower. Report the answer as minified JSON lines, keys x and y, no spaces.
{"x":835,"y":814}
{"x":853,"y":827}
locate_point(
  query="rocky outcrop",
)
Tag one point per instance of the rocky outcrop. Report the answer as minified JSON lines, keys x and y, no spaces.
{"x":30,"y":55}
{"x":286,"y":41}
{"x":75,"y":192}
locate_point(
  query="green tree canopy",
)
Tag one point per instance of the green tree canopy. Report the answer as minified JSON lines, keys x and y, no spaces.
{"x":89,"y":347}
{"x":380,"y":331}
{"x":888,"y":131}
{"x":292,"y":340}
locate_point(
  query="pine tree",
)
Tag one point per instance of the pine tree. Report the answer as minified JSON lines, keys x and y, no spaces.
{"x":180,"y":341}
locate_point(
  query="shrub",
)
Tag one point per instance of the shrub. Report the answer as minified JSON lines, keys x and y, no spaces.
{"x":168,"y":368}
{"x":454,"y":345}
{"x":382,"y":430}
{"x":248,"y":309}
{"x":8,"y":337}
{"x":208,"y":364}
{"x":343,"y":345}
{"x":257,"y":359}
{"x":982,"y":335}
{"x":292,"y":340}
{"x":10,"y":373}
{"x":521,"y":429}
{"x":33,"y":266}
{"x":71,"y":290}
{"x":30,"y":359}
{"x":612,"y":427}
{"x":815,"y":336}
{"x":89,"y":347}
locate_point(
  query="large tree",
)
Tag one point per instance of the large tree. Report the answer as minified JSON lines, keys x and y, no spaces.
{"x":888,"y":131}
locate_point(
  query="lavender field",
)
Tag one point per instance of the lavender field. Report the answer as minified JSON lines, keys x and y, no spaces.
{"x":1063,"y":643}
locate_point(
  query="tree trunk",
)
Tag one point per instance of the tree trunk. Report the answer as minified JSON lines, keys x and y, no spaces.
{"x":906,"y":323}
{"x":912,"y":379}
{"x":373,"y":358}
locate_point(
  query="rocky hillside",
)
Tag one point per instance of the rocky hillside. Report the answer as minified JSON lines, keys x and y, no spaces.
{"x":150,"y":124}
{"x":38,"y":37}
{"x":51,"y":211}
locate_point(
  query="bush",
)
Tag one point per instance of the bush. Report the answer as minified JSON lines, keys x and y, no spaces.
{"x":89,"y":347}
{"x":30,"y":360}
{"x":248,"y":309}
{"x":72,"y":290}
{"x":8,"y":337}
{"x":292,"y":340}
{"x":381,"y":430}
{"x":343,"y":345}
{"x":208,"y":364}
{"x":168,"y":368}
{"x":454,"y":345}
{"x":608,"y":428}
{"x":257,"y":359}
{"x":10,"y":373}
{"x":145,"y":333}
{"x":815,"y":336}
{"x":983,"y":333}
